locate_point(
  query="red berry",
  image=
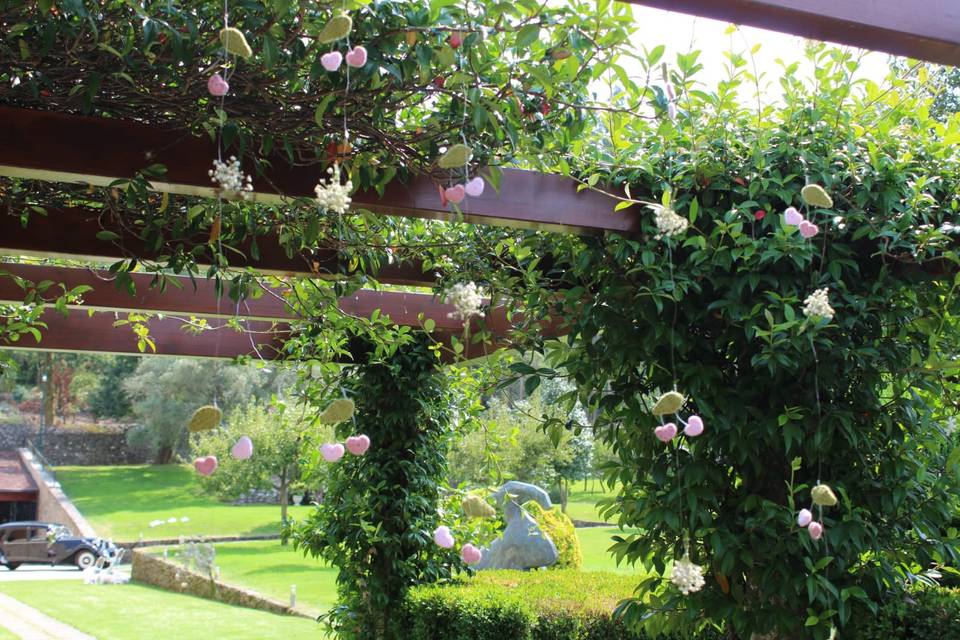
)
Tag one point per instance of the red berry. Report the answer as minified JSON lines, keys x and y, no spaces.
{"x":438,"y":82}
{"x":759,"y":215}
{"x":455,"y":40}
{"x":545,"y":108}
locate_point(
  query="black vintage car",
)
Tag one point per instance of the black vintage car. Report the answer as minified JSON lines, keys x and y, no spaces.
{"x":45,"y":543}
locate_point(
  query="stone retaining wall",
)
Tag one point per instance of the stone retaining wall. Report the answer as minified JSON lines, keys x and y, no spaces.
{"x":165,"y":574}
{"x":74,"y":447}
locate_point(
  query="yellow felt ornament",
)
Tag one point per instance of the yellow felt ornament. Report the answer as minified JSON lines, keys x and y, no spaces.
{"x":823,"y":496}
{"x":234,"y":42}
{"x":204,"y":419}
{"x":339,"y":411}
{"x":477,"y":507}
{"x":815,"y":196}
{"x":455,"y":157}
{"x":668,"y":403}
{"x":338,"y":28}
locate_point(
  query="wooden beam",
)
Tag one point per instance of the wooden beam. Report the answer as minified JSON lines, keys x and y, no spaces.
{"x":71,"y":232}
{"x":95,"y":333}
{"x":923,"y":29}
{"x":69,"y":148}
{"x":199,"y":298}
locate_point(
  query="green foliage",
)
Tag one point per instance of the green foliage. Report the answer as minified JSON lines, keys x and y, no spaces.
{"x":559,"y":528}
{"x":166,"y":392}
{"x":716,"y":313}
{"x":379,"y":511}
{"x":109,"y":399}
{"x":924,"y":614}
{"x":537,"y":605}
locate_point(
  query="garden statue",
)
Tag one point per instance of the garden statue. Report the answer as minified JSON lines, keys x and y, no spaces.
{"x":523,"y":545}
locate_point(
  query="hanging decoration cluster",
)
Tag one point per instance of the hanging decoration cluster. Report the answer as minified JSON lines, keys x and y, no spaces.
{"x":473,"y":507}
{"x":340,"y":411}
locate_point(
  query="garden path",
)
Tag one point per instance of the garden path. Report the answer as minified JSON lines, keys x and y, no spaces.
{"x":30,"y":624}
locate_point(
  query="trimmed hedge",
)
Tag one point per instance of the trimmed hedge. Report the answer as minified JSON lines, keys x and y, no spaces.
{"x":559,"y":604}
{"x":929,"y":614}
{"x":559,"y":527}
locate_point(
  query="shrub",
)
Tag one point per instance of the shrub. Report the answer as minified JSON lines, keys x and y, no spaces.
{"x":532,"y":605}
{"x":927,"y":614}
{"x":559,"y":527}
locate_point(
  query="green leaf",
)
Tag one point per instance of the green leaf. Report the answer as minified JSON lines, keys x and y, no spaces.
{"x":527,"y":35}
{"x":107,"y":236}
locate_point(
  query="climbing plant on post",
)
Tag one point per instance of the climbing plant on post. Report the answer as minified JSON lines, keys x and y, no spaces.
{"x":379,"y":510}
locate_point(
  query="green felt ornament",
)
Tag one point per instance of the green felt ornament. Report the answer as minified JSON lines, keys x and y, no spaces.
{"x":815,"y":196}
{"x":339,"y":411}
{"x":338,"y":28}
{"x":205,"y":418}
{"x":670,"y":402}
{"x":455,"y":157}
{"x":477,"y":507}
{"x":823,"y":496}
{"x":235,"y":43}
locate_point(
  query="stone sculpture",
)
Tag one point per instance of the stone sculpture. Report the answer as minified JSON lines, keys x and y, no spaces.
{"x":523,"y":545}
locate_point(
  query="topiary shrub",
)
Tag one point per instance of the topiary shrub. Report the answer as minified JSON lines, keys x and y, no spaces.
{"x":559,"y":527}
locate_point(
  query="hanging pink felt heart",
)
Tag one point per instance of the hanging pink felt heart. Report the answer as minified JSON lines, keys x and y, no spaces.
{"x":666,"y":433}
{"x":358,"y":445}
{"x":205,"y":466}
{"x":357,"y":57}
{"x":470,"y":554}
{"x":455,"y":194}
{"x":804,"y":517}
{"x":792,"y":217}
{"x":331,"y":452}
{"x":808,"y":229}
{"x":243,"y":449}
{"x":217,"y":86}
{"x":815,"y":529}
{"x":474,"y":188}
{"x":331,"y":61}
{"x":443,"y":537}
{"x":694,"y":426}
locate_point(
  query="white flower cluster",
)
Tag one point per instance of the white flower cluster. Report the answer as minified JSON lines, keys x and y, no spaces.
{"x":228,"y":176}
{"x":668,"y":222}
{"x":466,"y":298}
{"x":331,"y":195}
{"x":818,"y":305}
{"x":687,"y":576}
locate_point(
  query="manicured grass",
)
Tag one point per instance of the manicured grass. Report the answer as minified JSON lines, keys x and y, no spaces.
{"x":120,"y":502}
{"x":270,"y":568}
{"x":7,"y":635}
{"x":137,"y":612}
{"x":582,"y":505}
{"x":594,"y":542}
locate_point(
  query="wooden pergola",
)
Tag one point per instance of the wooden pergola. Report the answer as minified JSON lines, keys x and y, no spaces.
{"x":65,"y":148}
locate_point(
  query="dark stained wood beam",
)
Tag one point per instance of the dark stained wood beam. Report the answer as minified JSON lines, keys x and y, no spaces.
{"x":199,"y":298}
{"x":69,"y":148}
{"x":923,"y":29}
{"x":72,"y":233}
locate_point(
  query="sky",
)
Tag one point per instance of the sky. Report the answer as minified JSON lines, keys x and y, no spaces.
{"x":678,"y":30}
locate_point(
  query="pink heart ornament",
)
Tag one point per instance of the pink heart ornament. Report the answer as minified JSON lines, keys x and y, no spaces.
{"x":331,"y":61}
{"x":332,"y":452}
{"x":804,"y":517}
{"x":243,"y":449}
{"x":455,"y":194}
{"x":815,"y":529}
{"x":217,"y":86}
{"x":694,"y":426}
{"x":474,"y":188}
{"x":470,"y":554}
{"x":792,"y":217}
{"x":358,"y":445}
{"x":205,"y":466}
{"x":808,"y":229}
{"x":666,"y":433}
{"x":443,"y":537}
{"x":357,"y":57}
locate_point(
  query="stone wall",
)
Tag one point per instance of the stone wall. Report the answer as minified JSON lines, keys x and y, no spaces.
{"x":74,"y":447}
{"x":53,"y":505}
{"x":156,"y":571}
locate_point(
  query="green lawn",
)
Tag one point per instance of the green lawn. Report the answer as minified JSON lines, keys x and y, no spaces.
{"x":137,"y":612}
{"x":7,"y":635}
{"x":270,"y":569}
{"x":594,"y":542}
{"x":582,"y":505}
{"x":120,"y":503}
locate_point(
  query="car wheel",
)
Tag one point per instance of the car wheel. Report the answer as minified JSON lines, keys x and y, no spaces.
{"x":84,"y":560}
{"x":12,"y":565}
